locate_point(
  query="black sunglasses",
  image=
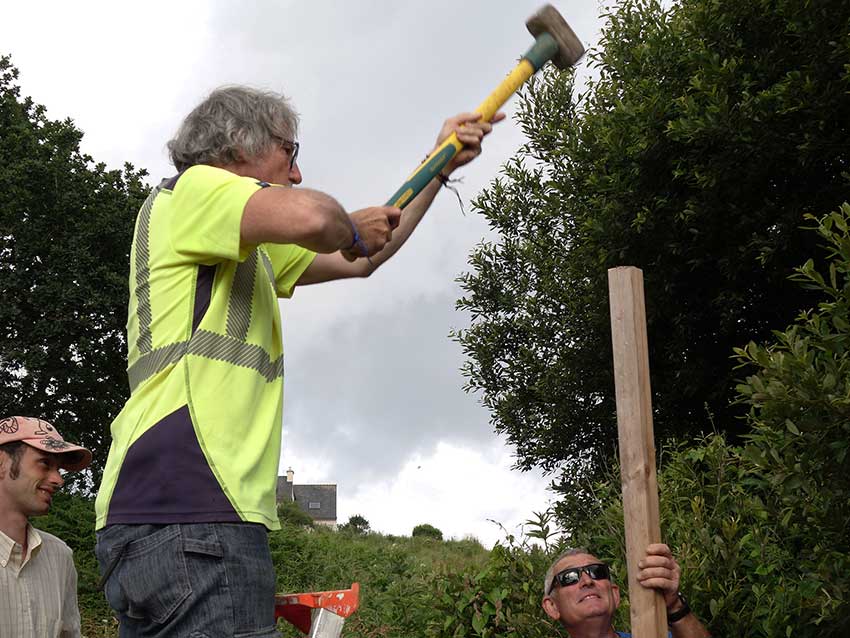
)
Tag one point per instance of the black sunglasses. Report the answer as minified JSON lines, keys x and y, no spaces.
{"x":291,"y":147}
{"x":571,"y":575}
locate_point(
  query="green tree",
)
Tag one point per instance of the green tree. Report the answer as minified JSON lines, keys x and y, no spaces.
{"x":712,"y":129}
{"x":356,"y":524}
{"x":65,"y":230}
{"x":290,"y":512}
{"x":425,"y":530}
{"x":761,"y":528}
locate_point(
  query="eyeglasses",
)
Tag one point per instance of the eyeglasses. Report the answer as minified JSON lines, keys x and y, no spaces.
{"x":571,"y":575}
{"x":291,"y":147}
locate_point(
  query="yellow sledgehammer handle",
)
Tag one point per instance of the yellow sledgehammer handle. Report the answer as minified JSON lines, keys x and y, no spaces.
{"x":544,"y":48}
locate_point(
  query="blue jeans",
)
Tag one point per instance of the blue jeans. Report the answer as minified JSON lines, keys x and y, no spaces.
{"x":198,"y":580}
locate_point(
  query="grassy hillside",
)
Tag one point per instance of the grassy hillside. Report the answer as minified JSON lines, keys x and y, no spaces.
{"x":397,"y":574}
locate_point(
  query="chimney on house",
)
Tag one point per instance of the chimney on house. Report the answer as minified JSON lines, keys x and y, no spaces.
{"x":290,"y":475}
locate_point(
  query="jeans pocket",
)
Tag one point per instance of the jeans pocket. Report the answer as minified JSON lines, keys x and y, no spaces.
{"x":151,"y":580}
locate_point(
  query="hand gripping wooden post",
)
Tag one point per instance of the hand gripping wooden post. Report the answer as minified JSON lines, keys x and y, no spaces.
{"x":637,"y":443}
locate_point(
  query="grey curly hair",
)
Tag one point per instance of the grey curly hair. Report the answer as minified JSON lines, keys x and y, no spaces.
{"x":233,"y":123}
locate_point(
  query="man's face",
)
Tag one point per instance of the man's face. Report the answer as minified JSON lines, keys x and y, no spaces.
{"x":587,"y":600}
{"x":38,"y":479}
{"x":274,"y":167}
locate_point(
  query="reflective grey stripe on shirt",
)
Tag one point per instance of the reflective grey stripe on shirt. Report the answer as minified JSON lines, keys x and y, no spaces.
{"x":143,"y":292}
{"x":236,"y":352}
{"x":210,"y":345}
{"x":231,"y":347}
{"x":241,"y":296}
{"x":154,"y":361}
{"x":269,"y":269}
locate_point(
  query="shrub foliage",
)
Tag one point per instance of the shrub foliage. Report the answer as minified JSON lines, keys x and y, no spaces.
{"x":65,"y":229}
{"x":426,"y":530}
{"x":761,"y":528}
{"x":714,"y":126}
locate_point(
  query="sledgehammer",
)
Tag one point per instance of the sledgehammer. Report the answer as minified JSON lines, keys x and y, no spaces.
{"x":554,"y":40}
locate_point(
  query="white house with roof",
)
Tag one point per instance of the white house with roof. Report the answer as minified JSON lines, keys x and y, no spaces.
{"x":317,"y":501}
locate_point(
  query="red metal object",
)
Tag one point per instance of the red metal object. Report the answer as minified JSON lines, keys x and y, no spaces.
{"x":297,"y":608}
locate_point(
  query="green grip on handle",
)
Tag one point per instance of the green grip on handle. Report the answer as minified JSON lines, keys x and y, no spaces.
{"x":425,"y":172}
{"x":543,"y":49}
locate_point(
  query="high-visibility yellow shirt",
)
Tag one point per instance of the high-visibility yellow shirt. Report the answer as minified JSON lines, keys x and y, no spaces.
{"x":199,"y":438}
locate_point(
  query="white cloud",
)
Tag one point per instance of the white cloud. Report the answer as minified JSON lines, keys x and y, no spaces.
{"x":460,"y":490}
{"x":373,"y":391}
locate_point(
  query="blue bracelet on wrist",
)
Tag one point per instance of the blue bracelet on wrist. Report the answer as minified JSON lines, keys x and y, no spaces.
{"x":356,"y":241}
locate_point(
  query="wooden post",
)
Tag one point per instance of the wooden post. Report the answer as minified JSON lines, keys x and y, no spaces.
{"x":637,"y":443}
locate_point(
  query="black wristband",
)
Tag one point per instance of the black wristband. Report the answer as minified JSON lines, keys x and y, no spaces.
{"x":676,"y":616}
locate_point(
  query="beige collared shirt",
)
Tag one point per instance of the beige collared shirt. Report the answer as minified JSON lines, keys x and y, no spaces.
{"x":38,"y":592}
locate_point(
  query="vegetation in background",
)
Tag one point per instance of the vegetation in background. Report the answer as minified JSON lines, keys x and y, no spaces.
{"x":762,"y":527}
{"x":356,"y":524}
{"x":71,"y":518}
{"x":65,"y":230}
{"x":396,"y":574}
{"x":294,"y":515}
{"x":426,"y":530}
{"x":502,"y":599}
{"x":713,"y":128}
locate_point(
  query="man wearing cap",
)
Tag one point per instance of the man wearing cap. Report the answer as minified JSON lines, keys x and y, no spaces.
{"x":38,"y":581}
{"x":578,"y":592}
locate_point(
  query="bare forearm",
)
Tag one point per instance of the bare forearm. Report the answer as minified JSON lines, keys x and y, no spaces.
{"x":335,"y":266}
{"x":410,"y":218}
{"x":301,"y":216}
{"x":349,"y":263}
{"x":689,"y":627}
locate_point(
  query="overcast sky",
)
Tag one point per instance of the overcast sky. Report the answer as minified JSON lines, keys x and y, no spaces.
{"x":374,"y":399}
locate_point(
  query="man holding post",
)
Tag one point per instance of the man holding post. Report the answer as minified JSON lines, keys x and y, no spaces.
{"x":188,"y":492}
{"x":38,"y":580}
{"x":578,"y":592}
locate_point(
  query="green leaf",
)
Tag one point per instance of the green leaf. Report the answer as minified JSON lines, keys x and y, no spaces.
{"x":478,"y":623}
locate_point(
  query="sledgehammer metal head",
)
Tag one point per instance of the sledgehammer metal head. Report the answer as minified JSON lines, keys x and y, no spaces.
{"x":548,"y":20}
{"x":553,"y":40}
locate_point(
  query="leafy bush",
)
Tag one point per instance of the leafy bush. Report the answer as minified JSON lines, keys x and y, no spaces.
{"x":396,"y":574}
{"x":291,"y":513}
{"x":761,"y":528}
{"x":713,"y":127}
{"x":356,"y":525}
{"x":502,"y":599}
{"x":427,"y":531}
{"x":799,"y":398}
